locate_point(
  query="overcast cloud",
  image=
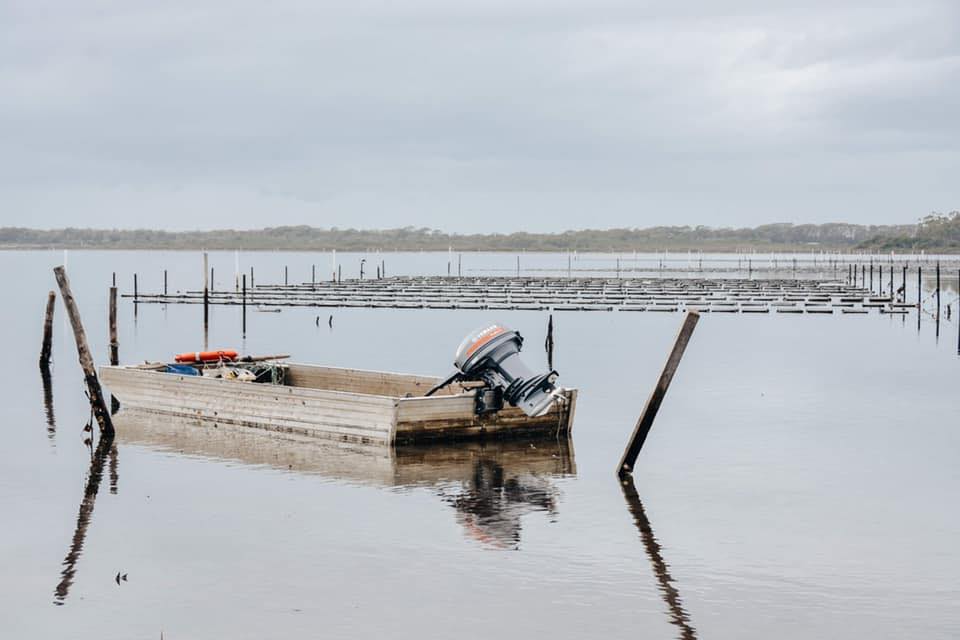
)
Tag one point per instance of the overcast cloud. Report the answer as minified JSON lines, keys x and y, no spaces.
{"x":477,"y":115}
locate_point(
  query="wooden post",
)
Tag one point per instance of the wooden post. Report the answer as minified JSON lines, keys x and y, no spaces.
{"x":938,"y":291}
{"x":47,"y":380}
{"x":880,"y":280}
{"x":213,"y":281}
{"x":251,"y":278}
{"x":164,"y":282}
{"x":313,"y":274}
{"x":95,"y":393}
{"x":135,"y":290}
{"x":339,"y":273}
{"x":114,"y":341}
{"x":645,"y":422}
{"x":243,"y":302}
{"x":548,"y":343}
{"x":206,"y":295}
{"x":286,"y":275}
{"x":46,"y":345}
{"x":903,"y":295}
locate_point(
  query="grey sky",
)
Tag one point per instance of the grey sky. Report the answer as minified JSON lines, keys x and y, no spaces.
{"x":477,"y":115}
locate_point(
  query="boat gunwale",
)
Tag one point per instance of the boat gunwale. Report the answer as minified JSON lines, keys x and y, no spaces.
{"x":293,"y":389}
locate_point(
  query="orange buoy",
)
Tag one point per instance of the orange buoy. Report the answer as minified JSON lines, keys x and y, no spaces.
{"x":206,"y":356}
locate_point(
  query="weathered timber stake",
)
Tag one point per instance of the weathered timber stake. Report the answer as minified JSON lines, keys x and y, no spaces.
{"x":206,"y":296}
{"x":243,"y":303}
{"x":548,"y":343}
{"x":46,"y":345}
{"x":938,"y":291}
{"x":47,"y":380}
{"x":100,"y":411}
{"x":286,"y":275}
{"x":164,"y":282}
{"x":135,"y":293}
{"x":880,"y":280}
{"x":919,"y":295}
{"x":213,"y":282}
{"x":112,"y":321}
{"x":251,"y":277}
{"x":645,"y":422}
{"x":114,"y":279}
{"x":339,"y":273}
{"x":313,"y":274}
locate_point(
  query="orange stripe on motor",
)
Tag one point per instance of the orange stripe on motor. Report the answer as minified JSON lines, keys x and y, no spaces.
{"x":487,"y":338}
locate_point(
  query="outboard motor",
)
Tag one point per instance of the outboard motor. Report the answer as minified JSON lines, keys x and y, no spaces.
{"x":492,"y":355}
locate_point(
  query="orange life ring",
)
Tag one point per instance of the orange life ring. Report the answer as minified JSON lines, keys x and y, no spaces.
{"x":206,"y":356}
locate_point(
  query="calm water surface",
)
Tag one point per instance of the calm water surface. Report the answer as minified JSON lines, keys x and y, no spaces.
{"x":801,"y":480}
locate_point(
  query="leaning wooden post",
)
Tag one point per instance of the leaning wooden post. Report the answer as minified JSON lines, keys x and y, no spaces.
{"x":114,"y":342}
{"x":645,"y":422}
{"x":45,"y":347}
{"x":100,"y":411}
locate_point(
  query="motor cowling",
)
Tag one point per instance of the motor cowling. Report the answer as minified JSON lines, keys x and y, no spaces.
{"x":492,"y":354}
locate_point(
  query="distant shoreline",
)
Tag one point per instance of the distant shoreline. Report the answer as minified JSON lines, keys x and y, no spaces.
{"x":936,"y":233}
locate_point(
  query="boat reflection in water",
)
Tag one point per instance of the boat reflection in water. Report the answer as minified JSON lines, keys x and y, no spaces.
{"x":490,"y":484}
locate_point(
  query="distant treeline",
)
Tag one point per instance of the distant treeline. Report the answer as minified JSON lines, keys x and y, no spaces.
{"x":937,"y":231}
{"x":933,"y":232}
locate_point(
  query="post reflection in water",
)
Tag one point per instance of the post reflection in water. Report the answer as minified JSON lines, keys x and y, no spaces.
{"x":105,"y":448}
{"x":490,"y":485}
{"x":47,"y":380}
{"x":671,"y":596}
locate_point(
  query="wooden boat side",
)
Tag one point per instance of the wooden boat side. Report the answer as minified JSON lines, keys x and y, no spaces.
{"x":302,"y":407}
{"x":452,"y":417}
{"x":353,"y":417}
{"x":396,"y":385}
